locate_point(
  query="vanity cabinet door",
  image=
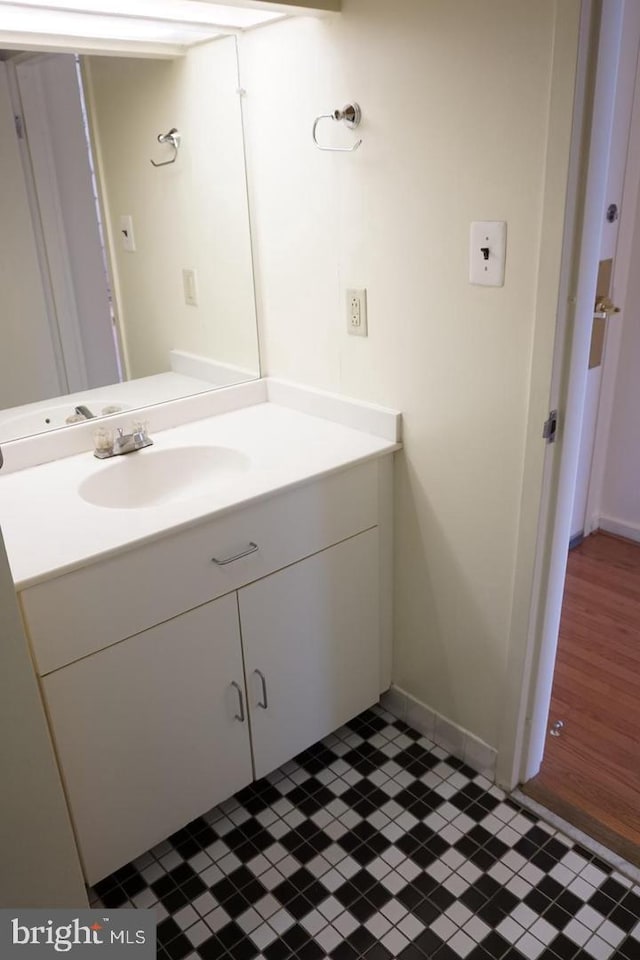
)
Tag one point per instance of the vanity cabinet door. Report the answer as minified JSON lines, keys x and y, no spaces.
{"x":151,"y":733}
{"x":311,"y":646}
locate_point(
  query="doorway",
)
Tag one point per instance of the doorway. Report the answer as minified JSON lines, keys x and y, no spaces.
{"x":580,"y":758}
{"x":61,"y":288}
{"x":590,"y":772}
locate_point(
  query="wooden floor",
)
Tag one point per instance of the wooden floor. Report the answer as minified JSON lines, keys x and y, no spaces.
{"x":591,"y":772}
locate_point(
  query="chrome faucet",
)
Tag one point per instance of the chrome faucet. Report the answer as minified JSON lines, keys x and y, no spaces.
{"x":83,"y":411}
{"x":123,"y":442}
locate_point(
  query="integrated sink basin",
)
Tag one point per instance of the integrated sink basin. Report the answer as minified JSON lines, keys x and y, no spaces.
{"x":152,"y":477}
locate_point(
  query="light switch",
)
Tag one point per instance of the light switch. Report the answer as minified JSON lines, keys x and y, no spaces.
{"x":126,"y":233}
{"x":487,"y":252}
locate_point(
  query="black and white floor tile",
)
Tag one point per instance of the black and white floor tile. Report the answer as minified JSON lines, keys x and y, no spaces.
{"x":376,"y":844}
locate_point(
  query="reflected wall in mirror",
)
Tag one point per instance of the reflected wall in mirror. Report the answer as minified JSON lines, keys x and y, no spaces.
{"x":123,"y":283}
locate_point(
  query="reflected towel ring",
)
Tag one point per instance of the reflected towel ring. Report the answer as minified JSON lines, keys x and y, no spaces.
{"x":351,"y":115}
{"x":172,"y":137}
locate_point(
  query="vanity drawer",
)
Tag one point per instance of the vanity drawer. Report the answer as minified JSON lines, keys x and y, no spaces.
{"x":84,"y":611}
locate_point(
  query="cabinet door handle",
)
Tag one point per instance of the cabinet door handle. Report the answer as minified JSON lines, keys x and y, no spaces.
{"x":239,"y":716}
{"x":252,"y":548}
{"x":265,"y":702}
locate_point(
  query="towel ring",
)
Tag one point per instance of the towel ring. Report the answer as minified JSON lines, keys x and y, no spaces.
{"x":351,"y":115}
{"x":172,"y":137}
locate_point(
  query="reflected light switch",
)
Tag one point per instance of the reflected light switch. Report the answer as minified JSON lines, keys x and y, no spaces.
{"x":126,"y":234}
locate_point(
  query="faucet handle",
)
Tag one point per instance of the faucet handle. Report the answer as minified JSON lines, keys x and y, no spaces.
{"x":140,"y":428}
{"x":140,"y":435}
{"x":103,"y":442}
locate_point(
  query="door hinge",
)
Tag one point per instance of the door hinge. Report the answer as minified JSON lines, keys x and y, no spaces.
{"x":19,"y":122}
{"x":550,"y":428}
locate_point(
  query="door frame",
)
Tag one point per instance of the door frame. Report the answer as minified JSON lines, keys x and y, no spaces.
{"x":550,"y":473}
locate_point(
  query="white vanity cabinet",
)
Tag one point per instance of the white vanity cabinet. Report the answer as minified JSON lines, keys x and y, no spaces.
{"x":310,"y":635}
{"x":173,"y":674}
{"x":149,"y":733}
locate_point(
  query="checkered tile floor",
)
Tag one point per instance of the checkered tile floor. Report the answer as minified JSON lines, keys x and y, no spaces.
{"x":376,"y":844}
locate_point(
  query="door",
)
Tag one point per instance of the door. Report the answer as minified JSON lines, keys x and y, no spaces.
{"x":151,"y":733}
{"x":28,"y":359}
{"x":618,"y":48}
{"x":595,"y":107}
{"x":56,"y":129}
{"x":310,"y":639}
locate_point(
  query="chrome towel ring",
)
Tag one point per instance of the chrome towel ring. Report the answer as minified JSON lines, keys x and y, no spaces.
{"x":351,"y":115}
{"x":172,"y":137}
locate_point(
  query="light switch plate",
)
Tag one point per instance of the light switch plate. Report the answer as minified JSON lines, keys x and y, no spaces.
{"x":126,"y":233}
{"x":487,"y":252}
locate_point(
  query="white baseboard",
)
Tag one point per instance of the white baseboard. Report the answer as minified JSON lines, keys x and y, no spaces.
{"x":621,"y":529}
{"x":444,"y":733}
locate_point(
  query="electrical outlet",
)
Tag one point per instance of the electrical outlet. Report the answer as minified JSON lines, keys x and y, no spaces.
{"x":190,"y":288}
{"x":357,"y":324}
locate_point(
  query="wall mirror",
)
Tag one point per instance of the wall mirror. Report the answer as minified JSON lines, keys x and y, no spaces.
{"x":124,"y":282}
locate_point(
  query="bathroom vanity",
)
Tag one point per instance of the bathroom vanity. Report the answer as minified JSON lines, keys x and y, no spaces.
{"x":192,"y":644}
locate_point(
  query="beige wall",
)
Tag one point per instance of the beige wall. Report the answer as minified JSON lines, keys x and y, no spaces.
{"x":192,"y":214}
{"x":39,"y":864}
{"x":456,"y":100}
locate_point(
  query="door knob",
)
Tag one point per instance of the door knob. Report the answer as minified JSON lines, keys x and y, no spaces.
{"x":604,"y":306}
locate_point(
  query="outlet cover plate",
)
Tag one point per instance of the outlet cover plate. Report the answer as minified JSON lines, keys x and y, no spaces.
{"x":190,"y":287}
{"x":356,"y":307}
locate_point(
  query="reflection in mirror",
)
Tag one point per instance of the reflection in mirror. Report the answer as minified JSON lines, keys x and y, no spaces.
{"x":123,"y":283}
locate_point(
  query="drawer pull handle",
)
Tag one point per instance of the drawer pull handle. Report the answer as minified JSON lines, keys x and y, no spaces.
{"x":252,"y":548}
{"x":239,"y":716}
{"x":265,"y":702}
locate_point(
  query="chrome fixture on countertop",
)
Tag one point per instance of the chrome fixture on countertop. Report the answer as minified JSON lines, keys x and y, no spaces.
{"x":83,"y":411}
{"x":106,"y":446}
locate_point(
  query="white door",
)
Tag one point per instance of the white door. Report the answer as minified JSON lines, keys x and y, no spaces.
{"x":312,"y":654}
{"x":151,"y":733}
{"x":28,"y":365}
{"x":619,"y":50}
{"x":55,"y":127}
{"x":525,"y":718}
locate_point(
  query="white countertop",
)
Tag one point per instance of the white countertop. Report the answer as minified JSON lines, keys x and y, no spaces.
{"x":49,"y":529}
